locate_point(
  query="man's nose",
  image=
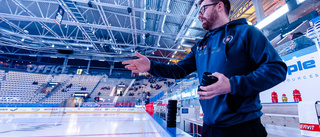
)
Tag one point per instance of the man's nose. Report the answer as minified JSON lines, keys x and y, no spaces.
{"x":199,"y":16}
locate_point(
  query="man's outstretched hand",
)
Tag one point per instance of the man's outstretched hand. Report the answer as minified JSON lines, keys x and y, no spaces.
{"x":138,"y":65}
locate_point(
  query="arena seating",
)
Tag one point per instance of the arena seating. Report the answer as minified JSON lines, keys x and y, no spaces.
{"x":18,"y":87}
{"x":78,"y":81}
{"x":24,"y":89}
{"x":109,"y":83}
{"x":145,"y":86}
{"x":61,"y":78}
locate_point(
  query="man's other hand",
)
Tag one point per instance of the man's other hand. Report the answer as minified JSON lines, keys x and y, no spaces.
{"x":138,"y":65}
{"x":222,"y":86}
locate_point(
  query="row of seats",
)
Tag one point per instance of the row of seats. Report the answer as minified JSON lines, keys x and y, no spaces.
{"x":85,"y":78}
{"x":27,"y":77}
{"x":60,"y":78}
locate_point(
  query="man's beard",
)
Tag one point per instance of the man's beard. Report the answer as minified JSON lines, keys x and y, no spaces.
{"x":210,"y":21}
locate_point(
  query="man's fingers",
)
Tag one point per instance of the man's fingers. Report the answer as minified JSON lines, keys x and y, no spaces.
{"x":209,"y":87}
{"x":128,"y":62}
{"x":139,"y":55}
{"x":131,"y":65}
{"x":131,"y":68}
{"x":202,"y":93}
{"x":207,"y":97}
{"x":203,"y":88}
{"x":216,"y":74}
{"x":205,"y":93}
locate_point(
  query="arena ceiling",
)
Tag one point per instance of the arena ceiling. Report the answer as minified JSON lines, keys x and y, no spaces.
{"x":109,"y":30}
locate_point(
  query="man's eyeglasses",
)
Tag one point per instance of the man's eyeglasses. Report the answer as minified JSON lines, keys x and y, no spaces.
{"x":203,"y":8}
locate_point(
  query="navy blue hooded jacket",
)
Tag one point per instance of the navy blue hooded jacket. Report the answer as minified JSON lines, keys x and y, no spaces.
{"x":244,"y":55}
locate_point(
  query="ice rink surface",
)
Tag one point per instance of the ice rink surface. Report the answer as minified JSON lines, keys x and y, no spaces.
{"x":80,"y":124}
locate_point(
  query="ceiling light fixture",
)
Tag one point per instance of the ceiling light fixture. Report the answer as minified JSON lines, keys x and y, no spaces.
{"x":182,"y":41}
{"x":283,"y":10}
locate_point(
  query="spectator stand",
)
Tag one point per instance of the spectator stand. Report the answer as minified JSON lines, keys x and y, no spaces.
{"x":74,"y":85}
{"x":21,"y":87}
{"x":130,"y":85}
{"x":61,"y":92}
{"x":142,"y":87}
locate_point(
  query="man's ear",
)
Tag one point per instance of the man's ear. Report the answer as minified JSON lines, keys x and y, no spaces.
{"x":220,"y":6}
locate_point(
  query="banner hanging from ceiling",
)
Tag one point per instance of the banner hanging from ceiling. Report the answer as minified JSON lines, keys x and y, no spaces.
{"x":59,"y":15}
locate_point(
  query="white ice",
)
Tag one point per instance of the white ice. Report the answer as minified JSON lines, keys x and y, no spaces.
{"x":80,"y":124}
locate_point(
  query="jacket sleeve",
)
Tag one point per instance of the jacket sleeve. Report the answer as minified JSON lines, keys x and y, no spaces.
{"x":176,"y":71}
{"x":270,"y":69}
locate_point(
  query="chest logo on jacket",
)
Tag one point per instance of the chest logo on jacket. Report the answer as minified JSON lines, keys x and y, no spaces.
{"x":201,"y":48}
{"x":206,"y":49}
{"x":228,"y":39}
